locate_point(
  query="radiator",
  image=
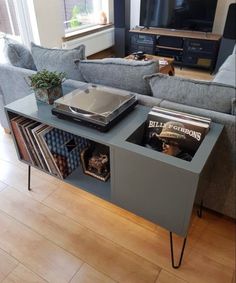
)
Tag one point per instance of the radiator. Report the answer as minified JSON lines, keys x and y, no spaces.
{"x":94,"y":43}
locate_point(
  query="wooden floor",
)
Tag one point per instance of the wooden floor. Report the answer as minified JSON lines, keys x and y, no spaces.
{"x":57,"y":233}
{"x":193,"y":73}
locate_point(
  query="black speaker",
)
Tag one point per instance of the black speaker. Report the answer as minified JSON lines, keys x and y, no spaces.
{"x":122,"y":26}
{"x":229,"y":36}
{"x":230,"y":24}
{"x":119,"y":13}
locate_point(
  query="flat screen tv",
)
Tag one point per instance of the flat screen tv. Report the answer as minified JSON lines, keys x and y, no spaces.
{"x":197,"y":15}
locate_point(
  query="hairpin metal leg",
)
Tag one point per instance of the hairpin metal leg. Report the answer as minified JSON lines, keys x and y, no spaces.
{"x":172,"y":252}
{"x":199,"y":211}
{"x":29,"y":175}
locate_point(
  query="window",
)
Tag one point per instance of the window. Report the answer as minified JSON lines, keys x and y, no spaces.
{"x":80,"y":14}
{"x":8,"y":23}
{"x":16,"y":20}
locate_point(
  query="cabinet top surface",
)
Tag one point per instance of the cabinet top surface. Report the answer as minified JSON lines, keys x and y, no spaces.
{"x":178,"y":33}
{"x":117,"y":136}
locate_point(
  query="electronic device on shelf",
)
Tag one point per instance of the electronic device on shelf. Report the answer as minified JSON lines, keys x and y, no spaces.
{"x":95,"y":106}
{"x":139,"y":55}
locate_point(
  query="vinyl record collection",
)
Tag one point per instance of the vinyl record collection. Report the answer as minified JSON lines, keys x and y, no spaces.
{"x":53,"y":150}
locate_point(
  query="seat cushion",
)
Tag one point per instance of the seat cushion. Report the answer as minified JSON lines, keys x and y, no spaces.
{"x":202,"y":94}
{"x":60,"y":60}
{"x":118,"y":73}
{"x":18,"y":55}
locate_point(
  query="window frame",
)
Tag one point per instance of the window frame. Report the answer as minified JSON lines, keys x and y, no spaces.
{"x":101,"y":5}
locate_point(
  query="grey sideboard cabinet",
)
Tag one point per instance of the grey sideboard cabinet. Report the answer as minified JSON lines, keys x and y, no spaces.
{"x":151,"y":184}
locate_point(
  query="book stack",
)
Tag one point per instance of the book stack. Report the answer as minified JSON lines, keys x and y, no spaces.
{"x":47,"y":148}
{"x":175,"y":133}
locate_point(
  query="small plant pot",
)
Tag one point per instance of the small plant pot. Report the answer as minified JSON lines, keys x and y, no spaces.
{"x":48,"y":95}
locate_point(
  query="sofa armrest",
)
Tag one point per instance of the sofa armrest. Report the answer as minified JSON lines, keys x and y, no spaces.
{"x":12,"y":82}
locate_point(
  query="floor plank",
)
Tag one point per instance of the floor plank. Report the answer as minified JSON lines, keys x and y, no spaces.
{"x":193,"y":73}
{"x":152,"y":246}
{"x":7,"y":150}
{"x":7,"y":264}
{"x":198,"y":267}
{"x":223,"y":226}
{"x":234,"y":276}
{"x":111,"y":207}
{"x":87,"y":274}
{"x":166,"y":277}
{"x":17,"y":177}
{"x":217,"y":247}
{"x":22,"y":274}
{"x":35,"y":252}
{"x":106,"y":256}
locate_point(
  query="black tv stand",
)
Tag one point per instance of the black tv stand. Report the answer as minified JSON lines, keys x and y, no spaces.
{"x":188,"y":48}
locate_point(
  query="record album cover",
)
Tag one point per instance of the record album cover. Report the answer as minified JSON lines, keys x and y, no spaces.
{"x":175,"y":133}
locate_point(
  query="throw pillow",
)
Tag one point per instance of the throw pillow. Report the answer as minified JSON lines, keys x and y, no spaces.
{"x":60,"y":60}
{"x":18,"y":55}
{"x":118,"y":73}
{"x":202,"y":94}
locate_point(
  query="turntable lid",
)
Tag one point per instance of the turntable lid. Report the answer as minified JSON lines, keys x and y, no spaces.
{"x":95,"y":99}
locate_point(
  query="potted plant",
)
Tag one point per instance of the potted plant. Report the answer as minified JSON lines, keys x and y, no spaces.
{"x":47,"y":85}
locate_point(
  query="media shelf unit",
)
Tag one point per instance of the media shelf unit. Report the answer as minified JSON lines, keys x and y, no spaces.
{"x":188,"y":48}
{"x":151,"y":184}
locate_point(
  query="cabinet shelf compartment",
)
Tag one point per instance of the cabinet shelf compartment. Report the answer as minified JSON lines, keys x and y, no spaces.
{"x":90,"y":184}
{"x":47,"y":148}
{"x":139,"y":138}
{"x":76,"y":176}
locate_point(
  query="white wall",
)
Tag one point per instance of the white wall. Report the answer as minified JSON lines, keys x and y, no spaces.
{"x":49,"y":19}
{"x":220,"y":16}
{"x":134,"y":13}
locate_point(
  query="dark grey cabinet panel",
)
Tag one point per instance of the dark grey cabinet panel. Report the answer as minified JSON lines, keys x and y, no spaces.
{"x":154,"y":190}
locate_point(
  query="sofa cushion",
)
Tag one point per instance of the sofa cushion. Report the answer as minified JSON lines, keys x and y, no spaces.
{"x":229,"y":64}
{"x":202,"y":94}
{"x":60,"y":60}
{"x":118,"y":73}
{"x":148,"y":101}
{"x":226,"y":77}
{"x":226,"y":73}
{"x":18,"y":55}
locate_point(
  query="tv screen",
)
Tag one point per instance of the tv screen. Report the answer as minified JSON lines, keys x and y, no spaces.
{"x":178,"y":14}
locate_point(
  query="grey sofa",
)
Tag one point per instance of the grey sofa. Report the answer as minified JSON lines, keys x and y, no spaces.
{"x":218,"y":188}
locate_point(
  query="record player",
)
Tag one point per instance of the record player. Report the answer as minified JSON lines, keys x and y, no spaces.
{"x":95,"y":106}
